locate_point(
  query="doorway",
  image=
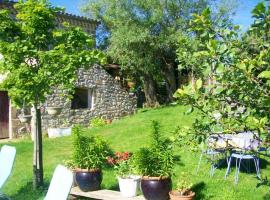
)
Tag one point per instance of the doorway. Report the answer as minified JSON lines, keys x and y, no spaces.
{"x":4,"y":115}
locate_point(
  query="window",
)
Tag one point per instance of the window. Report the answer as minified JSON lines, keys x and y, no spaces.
{"x":83,"y":98}
{"x":91,"y":98}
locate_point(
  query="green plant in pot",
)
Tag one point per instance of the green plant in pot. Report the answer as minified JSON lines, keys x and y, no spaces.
{"x":183,"y":190}
{"x":156,"y":164}
{"x":89,"y":155}
{"x":127,"y":180}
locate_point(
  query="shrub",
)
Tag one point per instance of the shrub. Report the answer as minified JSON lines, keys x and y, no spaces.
{"x":88,"y":152}
{"x":97,"y":122}
{"x":156,"y":160}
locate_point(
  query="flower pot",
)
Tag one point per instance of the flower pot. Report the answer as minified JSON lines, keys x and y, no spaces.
{"x":129,"y":186}
{"x":156,"y":188}
{"x":175,"y":195}
{"x":130,"y":84}
{"x":25,"y":118}
{"x":59,"y":132}
{"x":88,"y":180}
{"x":54,"y":110}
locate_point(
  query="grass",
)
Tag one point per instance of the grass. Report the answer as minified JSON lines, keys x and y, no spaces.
{"x":129,"y":134}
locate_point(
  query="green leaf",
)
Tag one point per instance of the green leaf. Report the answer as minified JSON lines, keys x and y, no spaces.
{"x":218,"y":90}
{"x":199,"y":84}
{"x":264,"y":74}
{"x":206,"y":12}
{"x":220,"y":68}
{"x":190,"y":110}
{"x":223,"y":48}
{"x":259,"y":10}
{"x":242,"y":66}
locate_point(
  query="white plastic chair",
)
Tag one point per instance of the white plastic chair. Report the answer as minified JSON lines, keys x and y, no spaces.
{"x":60,"y":184}
{"x":7,"y":156}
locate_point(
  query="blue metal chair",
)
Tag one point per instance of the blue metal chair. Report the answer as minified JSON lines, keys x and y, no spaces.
{"x":213,"y":151}
{"x":239,"y":157}
{"x":248,"y":152}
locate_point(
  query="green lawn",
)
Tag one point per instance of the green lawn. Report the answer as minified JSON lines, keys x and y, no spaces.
{"x":129,"y":134}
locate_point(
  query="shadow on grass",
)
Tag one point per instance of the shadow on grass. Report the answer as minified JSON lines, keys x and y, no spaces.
{"x":114,"y":187}
{"x":27,"y":192}
{"x":266,"y":197}
{"x":198,"y":188}
{"x":177,"y":160}
{"x":248,"y":165}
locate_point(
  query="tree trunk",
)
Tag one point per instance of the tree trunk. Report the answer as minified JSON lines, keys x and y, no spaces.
{"x":37,"y":160}
{"x":171,"y":85}
{"x":150,"y":91}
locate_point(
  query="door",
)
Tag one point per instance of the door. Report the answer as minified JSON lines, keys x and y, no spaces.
{"x":4,"y":114}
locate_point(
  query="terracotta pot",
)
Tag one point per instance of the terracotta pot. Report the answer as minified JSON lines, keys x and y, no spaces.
{"x":156,"y":188}
{"x":88,"y":180}
{"x":175,"y":195}
{"x":108,"y":121}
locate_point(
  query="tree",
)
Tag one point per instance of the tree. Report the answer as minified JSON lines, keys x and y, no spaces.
{"x":38,"y":57}
{"x":142,"y":37}
{"x":238,"y":96}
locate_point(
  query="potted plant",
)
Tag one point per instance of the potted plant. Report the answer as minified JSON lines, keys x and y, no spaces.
{"x":183,"y":191}
{"x":89,"y":155}
{"x":155,"y":163}
{"x":53,"y":110}
{"x":25,"y":118}
{"x":128,"y":182}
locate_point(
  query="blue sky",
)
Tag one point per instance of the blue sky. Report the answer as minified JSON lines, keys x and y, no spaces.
{"x":242,"y":17}
{"x":72,"y":6}
{"x":243,"y":13}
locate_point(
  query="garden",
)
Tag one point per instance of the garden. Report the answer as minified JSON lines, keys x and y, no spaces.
{"x":127,"y":136}
{"x":210,"y":139}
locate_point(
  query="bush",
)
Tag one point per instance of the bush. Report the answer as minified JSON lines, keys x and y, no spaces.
{"x":156,"y":160}
{"x":97,"y":122}
{"x":88,"y":152}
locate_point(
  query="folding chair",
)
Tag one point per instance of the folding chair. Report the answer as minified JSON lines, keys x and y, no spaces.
{"x":60,"y":184}
{"x":7,"y":156}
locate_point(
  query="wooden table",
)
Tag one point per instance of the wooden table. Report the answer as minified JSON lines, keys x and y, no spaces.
{"x":102,"y":194}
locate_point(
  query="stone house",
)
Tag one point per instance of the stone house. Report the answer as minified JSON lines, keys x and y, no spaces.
{"x":97,"y":93}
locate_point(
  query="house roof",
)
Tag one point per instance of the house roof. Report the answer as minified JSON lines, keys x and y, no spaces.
{"x":89,"y":25}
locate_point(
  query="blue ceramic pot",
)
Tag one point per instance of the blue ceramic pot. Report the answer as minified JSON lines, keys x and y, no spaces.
{"x":155,"y":188}
{"x":88,"y":180}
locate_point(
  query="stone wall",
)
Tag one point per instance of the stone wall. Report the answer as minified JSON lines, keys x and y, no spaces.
{"x":111,"y":100}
